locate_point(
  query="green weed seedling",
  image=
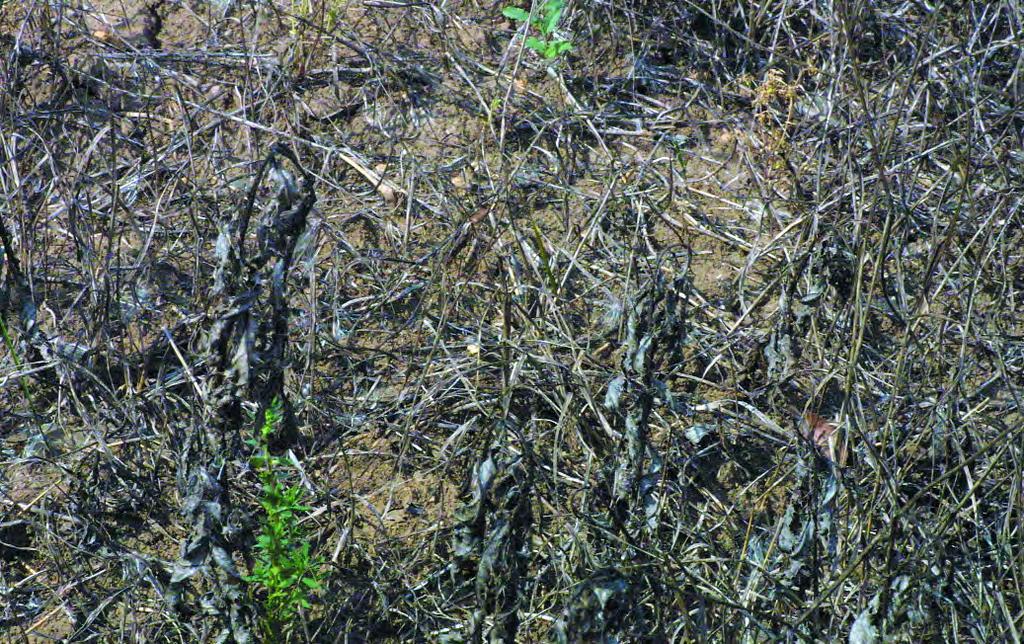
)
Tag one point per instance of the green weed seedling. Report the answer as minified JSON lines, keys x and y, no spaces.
{"x":305,"y":11}
{"x":545,"y":20}
{"x":286,"y":571}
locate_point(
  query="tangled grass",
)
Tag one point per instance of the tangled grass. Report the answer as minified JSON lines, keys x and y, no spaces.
{"x":710,"y":330}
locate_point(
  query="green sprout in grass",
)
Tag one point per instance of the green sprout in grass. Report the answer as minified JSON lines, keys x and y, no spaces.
{"x":545,"y":20}
{"x":286,"y":571}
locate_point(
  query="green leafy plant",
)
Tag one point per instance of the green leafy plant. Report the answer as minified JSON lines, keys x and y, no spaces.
{"x":9,"y":343}
{"x":545,"y":20}
{"x":286,"y":570}
{"x":305,"y":11}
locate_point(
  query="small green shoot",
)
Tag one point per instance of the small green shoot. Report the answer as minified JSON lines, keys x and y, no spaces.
{"x":305,"y":11}
{"x":285,"y":569}
{"x":9,"y":343}
{"x":546,"y":22}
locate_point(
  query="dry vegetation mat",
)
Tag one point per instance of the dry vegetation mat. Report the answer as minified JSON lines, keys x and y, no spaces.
{"x":583,"y":321}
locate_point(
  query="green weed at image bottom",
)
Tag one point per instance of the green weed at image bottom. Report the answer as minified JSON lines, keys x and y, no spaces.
{"x":286,"y":574}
